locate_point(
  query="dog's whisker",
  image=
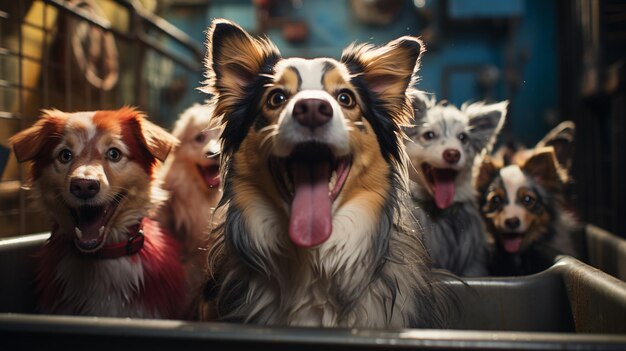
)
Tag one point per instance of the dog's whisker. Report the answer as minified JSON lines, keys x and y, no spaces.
{"x":412,"y":166}
{"x":268,"y":137}
{"x":268,"y":128}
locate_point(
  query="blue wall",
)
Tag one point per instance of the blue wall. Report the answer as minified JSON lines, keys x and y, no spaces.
{"x":459,"y":52}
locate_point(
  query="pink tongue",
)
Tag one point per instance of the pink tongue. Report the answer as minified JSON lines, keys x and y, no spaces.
{"x":444,"y":190}
{"x":211,"y":175}
{"x":310,"y":223}
{"x":512,"y":245}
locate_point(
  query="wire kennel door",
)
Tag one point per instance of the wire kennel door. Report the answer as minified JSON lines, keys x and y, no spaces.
{"x":79,"y":56}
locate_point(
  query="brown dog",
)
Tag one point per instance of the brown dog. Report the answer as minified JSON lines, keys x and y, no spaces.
{"x":92,"y":172}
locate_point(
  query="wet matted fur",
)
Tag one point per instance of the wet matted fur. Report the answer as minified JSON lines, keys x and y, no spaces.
{"x":443,"y":147}
{"x":346,"y":259}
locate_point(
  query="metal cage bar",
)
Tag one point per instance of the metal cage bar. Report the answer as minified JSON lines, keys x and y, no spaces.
{"x":55,"y":80}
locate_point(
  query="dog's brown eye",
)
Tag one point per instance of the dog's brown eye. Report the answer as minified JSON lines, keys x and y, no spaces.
{"x":276,"y":99}
{"x":65,"y":156}
{"x":528,"y":200}
{"x":114,"y":154}
{"x":346,"y":99}
{"x":463,"y":138}
{"x":496,"y":200}
{"x":200,"y":138}
{"x":429,"y":135}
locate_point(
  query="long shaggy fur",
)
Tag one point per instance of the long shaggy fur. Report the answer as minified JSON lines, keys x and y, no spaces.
{"x":454,"y":236}
{"x":187,"y":211}
{"x":373,"y":271}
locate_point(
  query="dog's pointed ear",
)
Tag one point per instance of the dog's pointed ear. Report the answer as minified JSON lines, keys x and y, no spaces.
{"x":544,"y":168}
{"x":487,"y":171}
{"x":421,"y":102}
{"x":382,"y":75}
{"x":387,"y":70}
{"x":158,"y":141}
{"x":561,"y":138}
{"x":28,"y":143}
{"x":234,"y":58}
{"x":238,"y":67}
{"x":485,"y":122}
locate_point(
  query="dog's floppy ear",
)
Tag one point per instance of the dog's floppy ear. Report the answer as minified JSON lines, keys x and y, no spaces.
{"x":238,"y":66}
{"x":561,"y":138}
{"x":485,"y":122}
{"x":28,"y":143}
{"x":154,"y":139}
{"x":545,"y":169}
{"x":488,"y":170}
{"x":158,"y":142}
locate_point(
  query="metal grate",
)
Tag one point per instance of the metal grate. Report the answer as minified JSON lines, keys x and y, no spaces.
{"x":83,"y":55}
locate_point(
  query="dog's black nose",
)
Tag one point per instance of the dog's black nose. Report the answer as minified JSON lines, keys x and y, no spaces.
{"x":210,"y":154}
{"x":451,"y":156}
{"x":84,"y":188}
{"x":312,"y":113}
{"x":512,"y":223}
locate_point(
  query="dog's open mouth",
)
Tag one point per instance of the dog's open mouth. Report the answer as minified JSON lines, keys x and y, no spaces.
{"x":310,"y":179}
{"x":512,"y":242}
{"x":441,"y":182}
{"x":91,"y":224}
{"x":210,"y":175}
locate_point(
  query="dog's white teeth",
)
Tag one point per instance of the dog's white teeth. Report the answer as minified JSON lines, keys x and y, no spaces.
{"x":101,"y":230}
{"x":78,"y":232}
{"x":333,"y":181}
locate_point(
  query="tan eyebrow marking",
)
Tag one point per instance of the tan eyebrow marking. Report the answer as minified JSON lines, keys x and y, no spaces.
{"x":333,"y":80}
{"x":290,"y":79}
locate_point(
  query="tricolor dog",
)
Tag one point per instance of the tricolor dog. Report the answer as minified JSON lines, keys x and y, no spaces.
{"x":314,"y":179}
{"x":523,"y":203}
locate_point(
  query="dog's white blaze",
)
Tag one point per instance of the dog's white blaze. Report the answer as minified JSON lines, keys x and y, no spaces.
{"x":82,"y":121}
{"x":513,"y":179}
{"x":310,"y":71}
{"x":291,"y":133}
{"x":88,"y":171}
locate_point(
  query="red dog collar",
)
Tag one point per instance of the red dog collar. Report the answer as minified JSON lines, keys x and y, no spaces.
{"x":125,"y":248}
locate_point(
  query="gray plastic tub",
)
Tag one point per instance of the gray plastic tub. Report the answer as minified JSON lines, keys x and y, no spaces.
{"x":605,"y":251}
{"x":570,"y":305}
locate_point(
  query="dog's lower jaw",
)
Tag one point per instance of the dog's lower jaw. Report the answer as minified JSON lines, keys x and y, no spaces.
{"x":422,"y":191}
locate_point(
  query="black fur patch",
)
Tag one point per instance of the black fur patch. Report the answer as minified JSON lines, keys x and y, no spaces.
{"x":375,"y":112}
{"x":247,"y":108}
